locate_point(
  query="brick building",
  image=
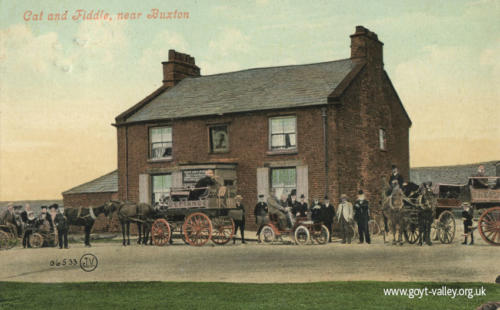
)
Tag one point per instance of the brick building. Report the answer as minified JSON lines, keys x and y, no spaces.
{"x":332,"y":127}
{"x":94,"y":193}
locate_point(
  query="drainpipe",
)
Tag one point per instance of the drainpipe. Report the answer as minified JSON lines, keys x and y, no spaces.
{"x":325,"y":144}
{"x":126,"y":162}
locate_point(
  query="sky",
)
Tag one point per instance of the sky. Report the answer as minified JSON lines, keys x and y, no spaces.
{"x":63,"y":82}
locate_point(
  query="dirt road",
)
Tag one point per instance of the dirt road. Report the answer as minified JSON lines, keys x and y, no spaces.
{"x":257,"y":263}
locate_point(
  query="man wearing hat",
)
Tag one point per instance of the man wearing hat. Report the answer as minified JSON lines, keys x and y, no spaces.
{"x":467,"y":216}
{"x":240,"y":222}
{"x":316,"y":211}
{"x":345,"y":218}
{"x":260,"y":213}
{"x":327,"y":215}
{"x":61,"y":224}
{"x":362,"y":216}
{"x":396,"y":176}
{"x":300,"y":207}
{"x":28,"y":218}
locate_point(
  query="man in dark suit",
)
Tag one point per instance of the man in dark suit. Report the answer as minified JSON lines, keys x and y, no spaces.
{"x":240,"y":222}
{"x":28,"y":218}
{"x":362,"y":216}
{"x":327,"y":215}
{"x":202,"y":185}
{"x":61,"y":223}
{"x":301,"y":207}
{"x":260,"y":213}
{"x":467,"y":216}
{"x":316,"y":211}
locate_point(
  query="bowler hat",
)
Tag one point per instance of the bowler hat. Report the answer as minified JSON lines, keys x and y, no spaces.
{"x":343,"y":196}
{"x":54,"y":206}
{"x":360,"y":192}
{"x":302,"y":196}
{"x":394,"y":166}
{"x":261,"y":196}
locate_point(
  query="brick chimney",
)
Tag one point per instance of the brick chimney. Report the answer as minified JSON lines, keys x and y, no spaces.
{"x":366,"y":46}
{"x":178,"y":67}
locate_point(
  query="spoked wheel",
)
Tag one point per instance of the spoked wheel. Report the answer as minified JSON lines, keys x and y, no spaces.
{"x":322,"y":235}
{"x":373,"y":227}
{"x":36,"y":240}
{"x":223,"y":230}
{"x":160,"y":232}
{"x":5,"y":241}
{"x":411,"y":233}
{"x":267,"y":234}
{"x":446,"y":227}
{"x":302,"y":235}
{"x":489,"y":226}
{"x":435,"y":230}
{"x":197,"y":229}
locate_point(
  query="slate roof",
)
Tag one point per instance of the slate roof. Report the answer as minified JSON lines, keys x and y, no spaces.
{"x":107,"y":183}
{"x":457,"y":174}
{"x":247,"y":90}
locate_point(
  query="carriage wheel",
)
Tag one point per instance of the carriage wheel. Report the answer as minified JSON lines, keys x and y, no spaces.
{"x":160,"y":232}
{"x":36,"y":240}
{"x":489,"y":226}
{"x":302,"y":235}
{"x":322,"y":235}
{"x":5,"y":241}
{"x":411,"y":233}
{"x":267,"y":234}
{"x":223,"y":230}
{"x":197,"y":229}
{"x":373,"y":227}
{"x":446,"y":227}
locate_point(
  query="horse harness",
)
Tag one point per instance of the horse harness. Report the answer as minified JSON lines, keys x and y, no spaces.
{"x":91,"y":213}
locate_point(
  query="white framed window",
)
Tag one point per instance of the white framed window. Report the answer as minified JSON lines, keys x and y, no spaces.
{"x":161,"y":186}
{"x":160,"y":141}
{"x":283,"y":133}
{"x":284,"y":180}
{"x":382,"y":139}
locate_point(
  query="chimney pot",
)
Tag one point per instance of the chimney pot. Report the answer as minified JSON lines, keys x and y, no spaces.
{"x":366,"y":46}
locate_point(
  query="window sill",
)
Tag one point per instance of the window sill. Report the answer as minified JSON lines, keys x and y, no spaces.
{"x":159,"y":160}
{"x":215,"y":153}
{"x":282,"y":152}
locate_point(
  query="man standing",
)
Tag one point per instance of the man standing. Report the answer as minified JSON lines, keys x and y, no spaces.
{"x":276,"y":209}
{"x":301,"y":207}
{"x":61,"y":224}
{"x":396,"y":176}
{"x":362,"y":216}
{"x":260,"y":213}
{"x":239,"y":222}
{"x":425,"y":218}
{"x":345,"y":217}
{"x":293,"y":204}
{"x":467,"y":216}
{"x":316,"y":211}
{"x":328,"y":213}
{"x":28,"y":218}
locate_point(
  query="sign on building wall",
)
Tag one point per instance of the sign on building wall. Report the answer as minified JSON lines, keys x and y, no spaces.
{"x":190,"y":177}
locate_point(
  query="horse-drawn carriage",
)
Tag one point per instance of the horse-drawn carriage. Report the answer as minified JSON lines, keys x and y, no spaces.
{"x":211,"y":217}
{"x":302,"y":231}
{"x":41,"y":234}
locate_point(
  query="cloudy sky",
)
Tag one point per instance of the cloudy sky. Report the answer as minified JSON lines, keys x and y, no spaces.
{"x":63,"y":82}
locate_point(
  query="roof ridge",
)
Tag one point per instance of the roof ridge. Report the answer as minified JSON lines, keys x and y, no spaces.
{"x":264,"y":68}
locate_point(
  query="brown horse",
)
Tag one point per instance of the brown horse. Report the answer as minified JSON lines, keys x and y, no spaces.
{"x":392,"y":207}
{"x":86,"y":216}
{"x":139,"y":213}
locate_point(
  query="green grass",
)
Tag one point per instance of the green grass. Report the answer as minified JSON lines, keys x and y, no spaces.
{"x":189,"y":295}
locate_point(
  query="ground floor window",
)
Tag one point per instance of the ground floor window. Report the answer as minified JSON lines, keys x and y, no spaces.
{"x":284,"y":180}
{"x":161,"y":186}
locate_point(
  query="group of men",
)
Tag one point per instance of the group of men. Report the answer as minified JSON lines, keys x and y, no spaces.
{"x":287,"y":209}
{"x":28,"y":222}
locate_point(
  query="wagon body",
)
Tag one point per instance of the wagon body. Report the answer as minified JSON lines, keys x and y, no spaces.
{"x":197,"y":221}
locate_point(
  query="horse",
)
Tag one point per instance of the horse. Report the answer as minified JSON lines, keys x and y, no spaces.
{"x":13,"y":221}
{"x":139,"y":213}
{"x":86,"y":216}
{"x":392,"y":207}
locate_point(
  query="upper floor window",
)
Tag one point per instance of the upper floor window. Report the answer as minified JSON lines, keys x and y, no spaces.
{"x":160,"y":142}
{"x":382,"y":139}
{"x":283,"y":133}
{"x":219,"y":139}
